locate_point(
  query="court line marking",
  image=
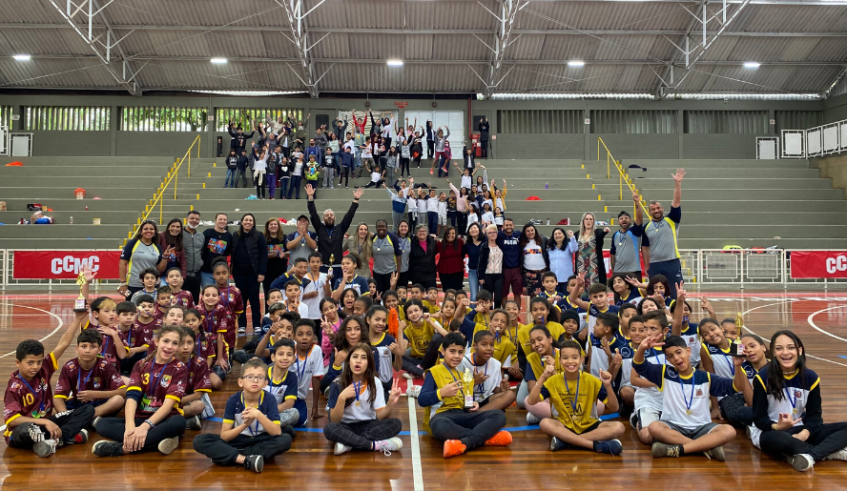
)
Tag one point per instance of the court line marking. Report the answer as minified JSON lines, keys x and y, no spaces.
{"x":815,"y":326}
{"x":417,"y":472}
{"x":768,"y":341}
{"x":54,"y":331}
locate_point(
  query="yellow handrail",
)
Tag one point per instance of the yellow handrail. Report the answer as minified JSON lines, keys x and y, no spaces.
{"x":623,"y":177}
{"x":158,"y":196}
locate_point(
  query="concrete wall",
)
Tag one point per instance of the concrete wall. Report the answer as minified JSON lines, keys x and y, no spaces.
{"x":835,"y":168}
{"x":581,"y":145}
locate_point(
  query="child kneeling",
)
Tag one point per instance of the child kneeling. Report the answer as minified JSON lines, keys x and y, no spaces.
{"x":572,"y":393}
{"x":251,"y":432}
{"x":365,"y":423}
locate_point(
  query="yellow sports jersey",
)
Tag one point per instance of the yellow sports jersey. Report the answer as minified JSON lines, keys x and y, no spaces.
{"x":537,"y":364}
{"x":576,"y":402}
{"x":433,"y":308}
{"x":503,"y":347}
{"x":443,"y":376}
{"x":556,"y":330}
{"x":419,"y":338}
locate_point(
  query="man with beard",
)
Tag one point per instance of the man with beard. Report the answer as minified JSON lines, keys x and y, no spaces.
{"x":330,"y":235}
{"x":659,"y":243}
{"x":508,"y":240}
{"x":626,"y":243}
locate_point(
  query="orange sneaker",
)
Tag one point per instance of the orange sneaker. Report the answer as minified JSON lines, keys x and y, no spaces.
{"x":453,"y":448}
{"x":501,"y":439}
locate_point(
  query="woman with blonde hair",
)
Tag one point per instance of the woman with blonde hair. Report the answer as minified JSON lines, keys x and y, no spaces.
{"x":361,"y":243}
{"x":589,"y":261}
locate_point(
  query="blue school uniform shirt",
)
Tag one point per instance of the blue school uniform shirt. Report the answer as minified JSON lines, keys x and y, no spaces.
{"x":384,"y":358}
{"x":796,"y":396}
{"x":599,"y":359}
{"x":279,"y":283}
{"x":283,"y":389}
{"x":649,"y":397}
{"x":235,"y":406}
{"x":357,"y":283}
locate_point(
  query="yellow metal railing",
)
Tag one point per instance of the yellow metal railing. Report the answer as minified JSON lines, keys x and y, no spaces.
{"x":173,"y":176}
{"x":623,"y":177}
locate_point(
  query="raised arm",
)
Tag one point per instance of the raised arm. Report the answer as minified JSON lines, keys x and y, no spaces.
{"x":681,"y":295}
{"x":575,"y":297}
{"x":639,"y":214}
{"x":677,"y":187}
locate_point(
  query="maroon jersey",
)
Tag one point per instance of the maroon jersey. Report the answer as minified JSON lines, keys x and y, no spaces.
{"x":184,"y":299}
{"x":198,"y":376}
{"x":108,"y":347}
{"x":147,"y":330}
{"x":31,"y":399}
{"x":234,"y":305}
{"x":204,"y":348}
{"x":215,"y":323}
{"x":151,"y":383}
{"x":159,"y":315}
{"x":73,"y":379}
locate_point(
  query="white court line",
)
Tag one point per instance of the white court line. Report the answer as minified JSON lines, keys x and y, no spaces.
{"x":61,"y":323}
{"x":815,"y":326}
{"x":417,"y":473}
{"x":767,"y":341}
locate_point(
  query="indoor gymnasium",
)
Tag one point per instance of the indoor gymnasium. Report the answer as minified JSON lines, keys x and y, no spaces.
{"x":423,"y":244}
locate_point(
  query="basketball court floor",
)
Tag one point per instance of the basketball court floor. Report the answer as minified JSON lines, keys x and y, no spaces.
{"x":817,"y":316}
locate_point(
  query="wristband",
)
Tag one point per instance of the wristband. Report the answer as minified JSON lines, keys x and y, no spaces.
{"x":123,"y":284}
{"x":150,"y":423}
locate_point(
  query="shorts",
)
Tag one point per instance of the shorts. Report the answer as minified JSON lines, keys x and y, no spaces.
{"x":590,"y":428}
{"x":442,"y":218}
{"x":646,"y":416}
{"x":693,"y":434}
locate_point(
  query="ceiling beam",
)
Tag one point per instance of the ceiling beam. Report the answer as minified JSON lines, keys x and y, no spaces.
{"x":438,"y":32}
{"x":300,"y":38}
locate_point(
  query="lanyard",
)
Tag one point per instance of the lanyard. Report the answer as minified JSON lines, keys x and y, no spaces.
{"x":209,"y":319}
{"x":40,"y":398}
{"x":792,"y":401}
{"x":688,"y":402}
{"x":105,"y":347}
{"x":656,"y":354}
{"x":197,"y":345}
{"x":731,"y":364}
{"x":301,"y":373}
{"x":450,"y":371}
{"x":225,"y":297}
{"x":158,"y":377}
{"x":480,"y":387}
{"x":250,"y":426}
{"x":555,"y":355}
{"x":359,"y":387}
{"x":575,"y":400}
{"x":84,"y":382}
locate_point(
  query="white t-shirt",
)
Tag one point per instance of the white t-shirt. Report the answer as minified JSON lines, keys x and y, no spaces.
{"x":364,"y":410}
{"x":375,"y":176}
{"x":412,"y":205}
{"x":314,"y":304}
{"x":491,"y":368}
{"x":311,"y":366}
{"x":466,"y":181}
{"x":488,"y":217}
{"x":432,"y":204}
{"x":533,"y":257}
{"x":298,"y":169}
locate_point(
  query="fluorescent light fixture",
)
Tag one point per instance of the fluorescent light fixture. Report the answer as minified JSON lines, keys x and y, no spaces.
{"x":219,"y":61}
{"x":745,"y":96}
{"x":751,"y":64}
{"x":22,"y":57}
{"x":569,"y":96}
{"x":576,"y":63}
{"x":395,"y":62}
{"x":249,"y":93}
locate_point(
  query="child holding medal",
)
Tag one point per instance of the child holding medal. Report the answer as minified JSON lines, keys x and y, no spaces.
{"x":358,"y":411}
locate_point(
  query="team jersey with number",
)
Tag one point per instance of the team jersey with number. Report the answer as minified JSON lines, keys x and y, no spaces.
{"x":31,"y":399}
{"x":231,"y":301}
{"x":151,"y":383}
{"x":73,"y":379}
{"x":215,"y":323}
{"x":198,"y":376}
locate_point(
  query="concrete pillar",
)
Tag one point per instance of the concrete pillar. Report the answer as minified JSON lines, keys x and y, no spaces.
{"x":586,"y":129}
{"x":680,"y":132}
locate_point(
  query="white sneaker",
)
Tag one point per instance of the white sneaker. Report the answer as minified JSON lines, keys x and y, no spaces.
{"x":408,"y":376}
{"x":46,"y":448}
{"x":96,"y":420}
{"x":340,"y":448}
{"x":35,"y":433}
{"x":168,"y":445}
{"x":388,"y":446}
{"x":414,"y":391}
{"x":839,"y":455}
{"x":242,"y":330}
{"x":532,"y":419}
{"x":801,"y":462}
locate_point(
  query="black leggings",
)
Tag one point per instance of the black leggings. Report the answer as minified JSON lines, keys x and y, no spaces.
{"x":226,"y":453}
{"x":249,"y":286}
{"x":71,"y":422}
{"x":345,"y":176}
{"x":378,"y":184}
{"x":114,"y":429}
{"x":494,"y":284}
{"x":825,"y":440}
{"x":416,"y":366}
{"x":260,"y":186}
{"x":404,"y":164}
{"x":383,"y":281}
{"x":473,"y":429}
{"x":430,"y":148}
{"x":452,"y":281}
{"x":359,"y":435}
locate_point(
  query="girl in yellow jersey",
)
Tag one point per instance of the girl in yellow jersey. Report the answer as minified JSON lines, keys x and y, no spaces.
{"x":541,"y":314}
{"x":424,"y":335}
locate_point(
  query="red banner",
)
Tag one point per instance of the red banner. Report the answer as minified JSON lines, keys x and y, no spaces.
{"x":819,"y":264}
{"x":60,"y":265}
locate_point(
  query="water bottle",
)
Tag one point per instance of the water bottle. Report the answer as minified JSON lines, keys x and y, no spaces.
{"x":86,"y":207}
{"x":546,"y":186}
{"x":72,"y":220}
{"x":548,"y":221}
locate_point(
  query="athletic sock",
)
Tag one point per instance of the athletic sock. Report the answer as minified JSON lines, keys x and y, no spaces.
{"x":681,"y":449}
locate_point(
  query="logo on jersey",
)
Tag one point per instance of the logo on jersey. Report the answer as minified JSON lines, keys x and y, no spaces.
{"x":749,"y":371}
{"x":699,"y":392}
{"x":626,"y":352}
{"x":671,"y":372}
{"x":97,"y":382}
{"x":166,"y":381}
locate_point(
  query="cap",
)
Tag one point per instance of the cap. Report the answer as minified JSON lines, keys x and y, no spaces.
{"x":569,"y":314}
{"x":624,"y":213}
{"x":302,"y":217}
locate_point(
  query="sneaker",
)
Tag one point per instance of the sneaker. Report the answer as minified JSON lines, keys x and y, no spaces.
{"x":341,"y":448}
{"x":611,"y":447}
{"x":46,"y":448}
{"x":430,"y":172}
{"x":106,"y":448}
{"x":716,"y":453}
{"x":664,"y":450}
{"x":413,"y":391}
{"x":839,"y":455}
{"x":532,"y":419}
{"x":801,"y":462}
{"x":388,"y":446}
{"x":453,"y":448}
{"x":35,"y":433}
{"x":254,"y":463}
{"x":633,"y":420}
{"x":193,"y":423}
{"x":408,"y":376}
{"x":556,"y":445}
{"x":242,"y":330}
{"x":168,"y":445}
{"x":95,"y":422}
{"x":81,"y":437}
{"x":501,"y":439}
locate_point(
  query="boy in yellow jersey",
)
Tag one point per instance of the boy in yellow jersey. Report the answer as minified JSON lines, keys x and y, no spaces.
{"x":504,"y":349}
{"x":574,"y":394}
{"x":431,"y":301}
{"x":447,"y":419}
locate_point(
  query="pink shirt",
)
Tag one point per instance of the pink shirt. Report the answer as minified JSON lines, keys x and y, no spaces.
{"x":423,"y":244}
{"x":326,"y":344}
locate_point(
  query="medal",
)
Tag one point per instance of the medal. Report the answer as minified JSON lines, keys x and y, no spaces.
{"x":358,"y":387}
{"x":688,"y":412}
{"x":792,"y":401}
{"x":688,"y":402}
{"x":575,"y":400}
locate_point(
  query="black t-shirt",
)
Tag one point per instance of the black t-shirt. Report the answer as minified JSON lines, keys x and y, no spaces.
{"x":216,"y":244}
{"x":277,"y":265}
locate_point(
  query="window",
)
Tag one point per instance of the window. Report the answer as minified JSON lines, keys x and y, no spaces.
{"x":633,"y":122}
{"x":545,"y":122}
{"x":51,"y":118}
{"x":245,"y":116}
{"x":736,"y":122}
{"x":6,"y":116}
{"x":191,"y":119}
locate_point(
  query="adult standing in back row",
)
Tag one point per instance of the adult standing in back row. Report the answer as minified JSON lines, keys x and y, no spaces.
{"x":193,"y":242}
{"x":331,"y":236}
{"x":626,"y":242}
{"x":483,"y":138}
{"x":217,"y":244}
{"x":508,"y":240}
{"x":659,"y":241}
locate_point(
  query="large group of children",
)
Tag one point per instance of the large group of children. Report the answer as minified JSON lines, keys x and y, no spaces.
{"x":581,"y":355}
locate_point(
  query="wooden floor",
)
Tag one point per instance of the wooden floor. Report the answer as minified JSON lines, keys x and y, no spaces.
{"x":817,"y":317}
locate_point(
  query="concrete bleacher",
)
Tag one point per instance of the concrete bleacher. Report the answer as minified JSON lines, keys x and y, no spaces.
{"x":752,"y":203}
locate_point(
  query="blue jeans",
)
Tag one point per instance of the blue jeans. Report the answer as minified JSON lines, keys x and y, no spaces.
{"x":206,"y":279}
{"x":432,"y":221}
{"x":283,"y":186}
{"x":295,"y":184}
{"x":229,"y":181}
{"x":473,"y":282}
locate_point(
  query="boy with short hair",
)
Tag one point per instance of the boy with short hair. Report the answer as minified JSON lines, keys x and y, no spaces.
{"x":446,"y":419}
{"x":282,"y":326}
{"x":247,"y":351}
{"x":251,"y":431}
{"x":103,"y":315}
{"x":283,"y":384}
{"x":431,"y":302}
{"x":686,"y":425}
{"x":292,"y":299}
{"x":316,"y":288}
{"x":136,"y":340}
{"x":604,"y":344}
{"x":647,"y":400}
{"x":150,"y":279}
{"x":164,"y":298}
{"x":28,"y":400}
{"x":577,"y":423}
{"x":416,"y":292}
{"x":598,"y":303}
{"x":146,"y":324}
{"x":490,"y":389}
{"x":89,"y":380}
{"x":299,"y":269}
{"x":308,"y":365}
{"x":550,"y":282}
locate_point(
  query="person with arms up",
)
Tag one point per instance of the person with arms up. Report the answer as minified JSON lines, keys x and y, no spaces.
{"x":484,"y":136}
{"x":659,"y":241}
{"x":330,"y":235}
{"x":626,"y":243}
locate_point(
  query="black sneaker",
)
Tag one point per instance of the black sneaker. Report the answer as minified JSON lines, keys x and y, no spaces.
{"x":193,"y":423}
{"x":289,"y":430}
{"x":106,"y":448}
{"x":254,"y":463}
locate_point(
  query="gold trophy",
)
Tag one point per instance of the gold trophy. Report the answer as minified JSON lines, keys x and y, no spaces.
{"x":79,"y":302}
{"x":739,"y":323}
{"x":467,"y":386}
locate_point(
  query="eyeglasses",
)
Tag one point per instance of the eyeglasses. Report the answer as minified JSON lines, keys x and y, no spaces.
{"x":253,"y":378}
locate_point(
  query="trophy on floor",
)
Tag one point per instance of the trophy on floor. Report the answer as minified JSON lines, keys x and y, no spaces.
{"x":467,"y":386}
{"x":79,"y":302}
